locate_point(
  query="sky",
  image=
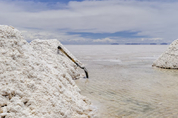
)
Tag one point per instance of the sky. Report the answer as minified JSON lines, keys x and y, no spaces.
{"x":93,"y":21}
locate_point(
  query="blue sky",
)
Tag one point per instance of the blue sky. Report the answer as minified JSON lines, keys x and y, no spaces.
{"x":55,"y":1}
{"x":125,"y":34}
{"x":66,"y":1}
{"x":93,"y":21}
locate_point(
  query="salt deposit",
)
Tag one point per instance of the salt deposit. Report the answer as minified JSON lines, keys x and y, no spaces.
{"x":169,"y":59}
{"x":36,"y":81}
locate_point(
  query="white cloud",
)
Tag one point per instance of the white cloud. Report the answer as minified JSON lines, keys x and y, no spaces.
{"x":63,"y":37}
{"x":155,"y":39}
{"x":105,"y":40}
{"x":154,"y":19}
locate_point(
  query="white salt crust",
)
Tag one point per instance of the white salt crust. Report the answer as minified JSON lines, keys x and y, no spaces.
{"x":169,"y":59}
{"x":36,"y":81}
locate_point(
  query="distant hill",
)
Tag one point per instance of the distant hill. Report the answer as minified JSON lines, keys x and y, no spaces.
{"x":139,"y":43}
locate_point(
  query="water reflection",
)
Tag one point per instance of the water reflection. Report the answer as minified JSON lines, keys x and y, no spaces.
{"x":130,"y":88}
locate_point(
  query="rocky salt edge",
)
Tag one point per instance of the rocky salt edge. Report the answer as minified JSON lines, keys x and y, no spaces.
{"x":169,"y":59}
{"x":36,"y":81}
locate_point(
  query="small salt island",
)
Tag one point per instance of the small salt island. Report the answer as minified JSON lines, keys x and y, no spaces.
{"x":169,"y":59}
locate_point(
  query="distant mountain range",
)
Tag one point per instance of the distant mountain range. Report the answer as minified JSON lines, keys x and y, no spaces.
{"x":139,"y":43}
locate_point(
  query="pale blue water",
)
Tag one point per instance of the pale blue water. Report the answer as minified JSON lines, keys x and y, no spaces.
{"x":123,"y":82}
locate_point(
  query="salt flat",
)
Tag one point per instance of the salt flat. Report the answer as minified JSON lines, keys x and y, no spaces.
{"x":123,"y":82}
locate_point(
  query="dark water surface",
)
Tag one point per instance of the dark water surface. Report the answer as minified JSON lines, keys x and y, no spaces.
{"x":123,"y":83}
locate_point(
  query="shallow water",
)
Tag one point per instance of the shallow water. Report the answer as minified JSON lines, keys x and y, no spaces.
{"x":123,"y":83}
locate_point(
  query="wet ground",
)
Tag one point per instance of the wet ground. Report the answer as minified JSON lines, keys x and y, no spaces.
{"x":123,"y":83}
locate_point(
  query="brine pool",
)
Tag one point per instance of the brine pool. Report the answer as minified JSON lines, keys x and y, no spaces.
{"x":123,"y":83}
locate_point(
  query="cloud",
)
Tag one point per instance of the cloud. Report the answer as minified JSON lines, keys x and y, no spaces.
{"x":62,"y":37}
{"x":155,"y":39}
{"x":105,"y":40}
{"x":148,"y":18}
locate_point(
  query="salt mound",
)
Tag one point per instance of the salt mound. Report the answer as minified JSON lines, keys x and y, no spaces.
{"x":169,"y":59}
{"x":36,"y":81}
{"x":47,"y":51}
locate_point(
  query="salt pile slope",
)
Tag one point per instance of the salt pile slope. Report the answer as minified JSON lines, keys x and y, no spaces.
{"x":48,"y":52}
{"x":169,"y":59}
{"x":36,"y":82}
